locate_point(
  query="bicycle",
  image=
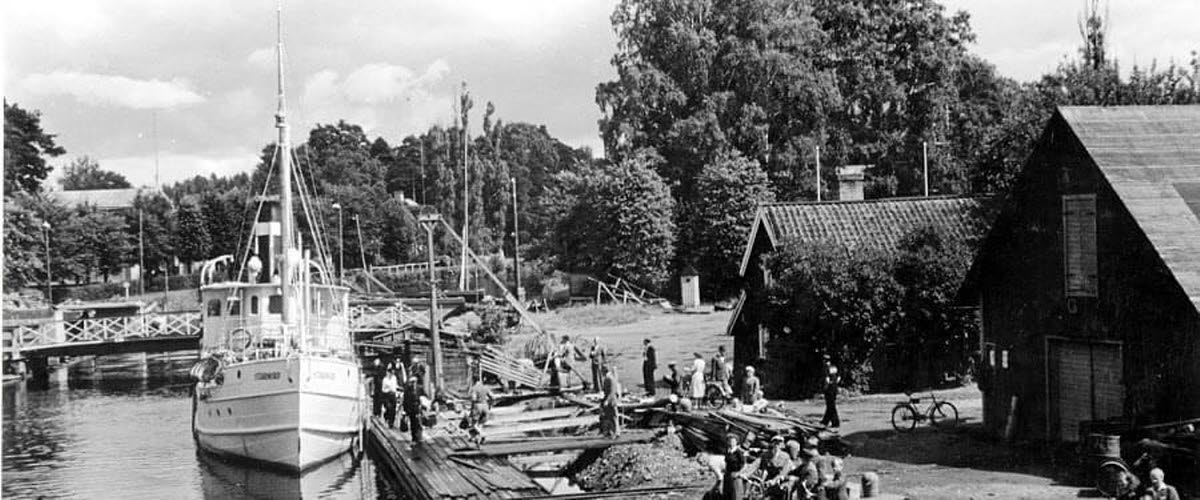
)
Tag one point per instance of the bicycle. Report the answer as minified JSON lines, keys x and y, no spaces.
{"x":906,"y":414}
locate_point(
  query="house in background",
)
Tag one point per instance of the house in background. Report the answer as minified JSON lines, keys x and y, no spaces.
{"x":109,"y":200}
{"x":1089,"y":282}
{"x":783,"y":364}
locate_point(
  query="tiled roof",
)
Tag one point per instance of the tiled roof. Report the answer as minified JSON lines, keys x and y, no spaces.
{"x":1150,"y":155}
{"x":102,"y":199}
{"x":879,"y":223}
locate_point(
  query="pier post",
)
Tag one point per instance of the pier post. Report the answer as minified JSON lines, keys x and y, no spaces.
{"x":39,"y":368}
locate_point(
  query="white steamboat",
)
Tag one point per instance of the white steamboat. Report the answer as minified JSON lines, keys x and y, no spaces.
{"x":278,"y":381}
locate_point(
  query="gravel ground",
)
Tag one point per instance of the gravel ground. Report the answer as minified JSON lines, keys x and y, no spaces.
{"x":661,"y":463}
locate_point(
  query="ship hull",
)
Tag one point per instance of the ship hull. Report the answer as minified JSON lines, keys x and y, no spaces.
{"x":291,"y":413}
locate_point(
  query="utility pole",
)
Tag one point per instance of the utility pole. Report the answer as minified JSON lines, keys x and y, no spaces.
{"x":466,"y":234}
{"x":428,"y":221}
{"x":517,"y":242}
{"x":925,"y":164}
{"x":362,"y":252}
{"x":341,"y":246}
{"x":818,"y":173}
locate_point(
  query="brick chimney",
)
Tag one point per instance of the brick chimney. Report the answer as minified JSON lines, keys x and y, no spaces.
{"x":851,"y":179}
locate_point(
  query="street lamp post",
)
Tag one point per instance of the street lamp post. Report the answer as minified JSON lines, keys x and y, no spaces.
{"x":141,"y":256}
{"x":362,"y":252}
{"x":341,"y":245}
{"x":46,"y":237}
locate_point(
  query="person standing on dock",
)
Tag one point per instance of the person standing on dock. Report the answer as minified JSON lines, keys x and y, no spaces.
{"x":377,"y":371}
{"x":389,"y":388}
{"x":412,"y":408}
{"x":697,"y":377}
{"x":831,"y":382}
{"x":750,"y":387}
{"x":649,"y":364}
{"x":610,"y":422}
{"x":719,"y":370}
{"x":598,"y":358}
{"x":481,"y":403}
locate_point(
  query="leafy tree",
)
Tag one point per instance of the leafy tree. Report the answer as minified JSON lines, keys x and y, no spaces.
{"x":157,"y":228}
{"x":933,"y":335}
{"x":832,"y":300}
{"x":85,"y":173}
{"x":24,"y":254}
{"x":617,"y":218}
{"x":25,"y":147}
{"x":191,"y":239}
{"x":718,"y":220}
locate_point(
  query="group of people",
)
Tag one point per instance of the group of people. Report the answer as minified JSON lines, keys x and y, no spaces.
{"x":787,"y":469}
{"x":604,"y":378}
{"x":396,"y":386}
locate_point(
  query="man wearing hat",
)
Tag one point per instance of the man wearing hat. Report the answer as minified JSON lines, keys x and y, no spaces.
{"x":750,"y":387}
{"x":776,"y":464}
{"x":649,"y":364}
{"x":832,"y":380}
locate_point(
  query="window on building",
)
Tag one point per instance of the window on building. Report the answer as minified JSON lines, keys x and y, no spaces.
{"x":235,"y":306}
{"x":253,"y":304}
{"x":763,"y":335}
{"x":1079,"y":245}
{"x":214,"y":307}
{"x":275,"y":304}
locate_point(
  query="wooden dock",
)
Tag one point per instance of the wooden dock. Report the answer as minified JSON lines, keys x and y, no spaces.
{"x":430,"y":470}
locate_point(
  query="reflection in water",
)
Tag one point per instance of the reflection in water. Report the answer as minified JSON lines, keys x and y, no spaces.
{"x":122,"y":428}
{"x":226,"y":479}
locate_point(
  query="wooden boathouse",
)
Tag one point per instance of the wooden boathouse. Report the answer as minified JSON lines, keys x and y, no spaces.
{"x":1089,"y":282}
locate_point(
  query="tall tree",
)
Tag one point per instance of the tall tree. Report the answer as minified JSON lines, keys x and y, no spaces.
{"x":24,"y":254}
{"x":614,"y":219}
{"x":25,"y":147}
{"x":191,"y":239}
{"x":717,"y":221}
{"x":85,"y":173}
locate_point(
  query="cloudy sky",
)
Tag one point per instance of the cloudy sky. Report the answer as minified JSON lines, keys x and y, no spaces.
{"x":107,"y":74}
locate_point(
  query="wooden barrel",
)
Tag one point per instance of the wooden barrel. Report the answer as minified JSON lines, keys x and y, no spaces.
{"x":870,"y":485}
{"x":1104,"y":445}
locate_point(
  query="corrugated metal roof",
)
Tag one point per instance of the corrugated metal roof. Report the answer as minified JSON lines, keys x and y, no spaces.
{"x":879,"y":223}
{"x":1150,"y":155}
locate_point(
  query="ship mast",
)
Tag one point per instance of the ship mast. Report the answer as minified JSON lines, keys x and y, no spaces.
{"x":285,"y":178}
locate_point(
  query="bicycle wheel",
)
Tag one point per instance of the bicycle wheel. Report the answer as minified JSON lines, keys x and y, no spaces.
{"x":943,"y":414}
{"x":904,"y":417}
{"x":714,"y":397}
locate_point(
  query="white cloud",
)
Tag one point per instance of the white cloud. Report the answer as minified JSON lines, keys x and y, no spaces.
{"x":175,"y":167}
{"x":113,"y":90}
{"x":378,"y":96}
{"x":263,"y":58}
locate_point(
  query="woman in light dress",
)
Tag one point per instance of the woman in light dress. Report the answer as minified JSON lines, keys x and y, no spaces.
{"x":698,"y":377}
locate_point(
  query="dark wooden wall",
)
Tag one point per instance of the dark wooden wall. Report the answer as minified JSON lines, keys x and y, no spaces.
{"x":1022,"y":292}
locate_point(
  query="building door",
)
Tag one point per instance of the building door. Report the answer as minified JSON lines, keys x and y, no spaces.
{"x":1084,"y":384}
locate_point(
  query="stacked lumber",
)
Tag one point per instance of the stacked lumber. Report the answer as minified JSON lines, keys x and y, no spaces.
{"x":499,"y":363}
{"x":707,"y":430}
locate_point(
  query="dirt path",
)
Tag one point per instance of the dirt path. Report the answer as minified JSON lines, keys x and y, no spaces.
{"x":936,"y":463}
{"x":675,"y":337}
{"x":962,"y":463}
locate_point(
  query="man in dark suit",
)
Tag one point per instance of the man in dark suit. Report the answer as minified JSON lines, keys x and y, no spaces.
{"x":649,"y":364}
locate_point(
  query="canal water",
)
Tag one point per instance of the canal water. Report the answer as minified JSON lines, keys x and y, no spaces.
{"x":119,"y":427}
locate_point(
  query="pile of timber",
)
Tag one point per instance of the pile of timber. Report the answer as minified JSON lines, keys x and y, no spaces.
{"x":707,"y":430}
{"x":507,"y":368}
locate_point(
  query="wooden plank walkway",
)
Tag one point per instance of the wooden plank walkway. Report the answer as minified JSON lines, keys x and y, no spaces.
{"x":428,"y":471}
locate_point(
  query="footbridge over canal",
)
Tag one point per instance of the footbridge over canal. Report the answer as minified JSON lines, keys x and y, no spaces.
{"x":35,"y":341}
